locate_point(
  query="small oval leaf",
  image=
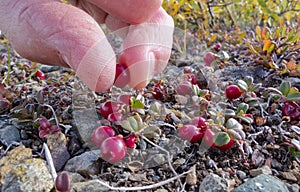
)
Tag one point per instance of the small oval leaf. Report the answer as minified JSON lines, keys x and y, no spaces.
{"x":221,"y":138}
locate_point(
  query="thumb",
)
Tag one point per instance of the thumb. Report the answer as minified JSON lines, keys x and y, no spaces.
{"x":53,"y":33}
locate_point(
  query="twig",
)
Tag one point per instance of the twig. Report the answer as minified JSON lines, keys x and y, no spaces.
{"x":50,"y":161}
{"x":53,"y":112}
{"x":143,"y":187}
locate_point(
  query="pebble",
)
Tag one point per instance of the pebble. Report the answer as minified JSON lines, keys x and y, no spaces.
{"x":289,"y":176}
{"x":275,"y":164}
{"x":48,"y":69}
{"x":262,"y":183}
{"x":57,"y":144}
{"x":9,"y":134}
{"x":86,"y":164}
{"x":90,"y":186}
{"x":262,"y":170}
{"x":20,"y":172}
{"x":241,"y":174}
{"x":214,"y":183}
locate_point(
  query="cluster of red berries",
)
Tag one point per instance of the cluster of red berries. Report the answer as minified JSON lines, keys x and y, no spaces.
{"x":196,"y":130}
{"x":46,"y":128}
{"x":112,"y":142}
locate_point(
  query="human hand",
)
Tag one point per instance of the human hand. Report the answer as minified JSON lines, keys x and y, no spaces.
{"x":50,"y":32}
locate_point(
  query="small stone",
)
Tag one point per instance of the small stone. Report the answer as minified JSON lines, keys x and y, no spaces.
{"x":90,"y":186}
{"x":275,"y":164}
{"x":293,"y":188}
{"x":262,"y":183}
{"x":57,"y":144}
{"x":289,"y":176}
{"x":191,"y":178}
{"x":262,"y":170}
{"x":48,"y":69}
{"x":214,"y":183}
{"x":138,"y":177}
{"x":75,"y":177}
{"x":85,"y":164}
{"x":296,"y":173}
{"x":9,"y":134}
{"x":241,"y":174}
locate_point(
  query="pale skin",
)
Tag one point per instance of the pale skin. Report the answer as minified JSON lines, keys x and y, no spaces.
{"x":53,"y":33}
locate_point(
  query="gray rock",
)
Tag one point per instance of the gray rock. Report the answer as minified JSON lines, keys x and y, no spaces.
{"x":262,"y":183}
{"x":86,"y":121}
{"x":20,"y":172}
{"x":90,"y":186}
{"x":214,"y":183}
{"x":9,"y":134}
{"x":86,"y":164}
{"x":262,"y":170}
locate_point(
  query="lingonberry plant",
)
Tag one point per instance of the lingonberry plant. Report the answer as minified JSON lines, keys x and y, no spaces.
{"x":45,"y":128}
{"x":233,"y":92}
{"x":113,"y":149}
{"x":62,"y":182}
{"x":102,"y":133}
{"x":190,"y":133}
{"x":108,"y":108}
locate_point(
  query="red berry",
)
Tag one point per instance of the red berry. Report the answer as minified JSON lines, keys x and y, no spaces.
{"x":113,"y":117}
{"x":227,"y":146}
{"x":190,"y":133}
{"x":62,"y":182}
{"x":113,"y":149}
{"x":199,"y":122}
{"x":44,"y":123}
{"x":122,"y":76}
{"x":208,"y":138}
{"x":217,"y":47}
{"x":109,"y":107}
{"x":40,"y":75}
{"x":233,"y":92}
{"x":158,"y":91}
{"x":130,"y":140}
{"x":184,"y":88}
{"x":102,"y":133}
{"x":291,"y":109}
{"x":124,"y":99}
{"x":208,"y":58}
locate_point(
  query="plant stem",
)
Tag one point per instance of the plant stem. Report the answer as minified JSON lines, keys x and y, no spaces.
{"x":143,"y":187}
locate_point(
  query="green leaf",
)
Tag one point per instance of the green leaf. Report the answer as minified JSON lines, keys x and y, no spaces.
{"x":229,"y":113}
{"x":293,"y":97}
{"x":136,"y":104}
{"x":233,"y":124}
{"x":221,"y":138}
{"x":245,"y":119}
{"x":242,"y":108}
{"x":126,"y":125}
{"x":242,"y":85}
{"x":285,"y":87}
{"x":152,"y":132}
{"x":249,"y":80}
